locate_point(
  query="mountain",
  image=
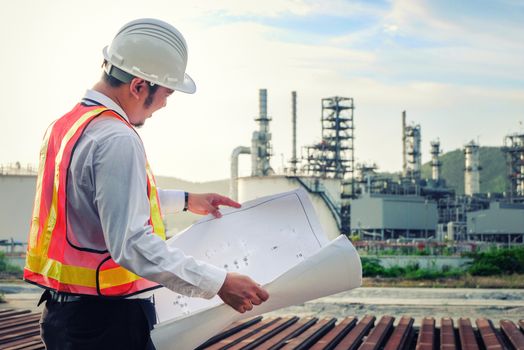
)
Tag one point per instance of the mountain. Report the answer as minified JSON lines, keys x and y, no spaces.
{"x":493,"y":176}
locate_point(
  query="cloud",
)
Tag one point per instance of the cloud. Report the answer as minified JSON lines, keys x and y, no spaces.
{"x":453,"y":71}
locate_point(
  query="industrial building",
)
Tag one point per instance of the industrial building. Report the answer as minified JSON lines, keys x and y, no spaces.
{"x":349,"y":198}
{"x":385,"y":216}
{"x":355,"y":199}
{"x":501,"y":222}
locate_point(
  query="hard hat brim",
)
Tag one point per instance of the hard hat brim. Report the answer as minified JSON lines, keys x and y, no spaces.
{"x":188,"y":85}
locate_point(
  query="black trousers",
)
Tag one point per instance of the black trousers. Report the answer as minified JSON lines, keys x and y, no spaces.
{"x":98,"y":324}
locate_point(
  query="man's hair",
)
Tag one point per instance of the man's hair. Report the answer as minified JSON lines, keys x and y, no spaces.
{"x":151,"y":92}
{"x":114,"y":82}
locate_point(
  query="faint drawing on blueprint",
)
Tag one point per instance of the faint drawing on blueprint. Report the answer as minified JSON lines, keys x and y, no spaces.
{"x":263,"y":239}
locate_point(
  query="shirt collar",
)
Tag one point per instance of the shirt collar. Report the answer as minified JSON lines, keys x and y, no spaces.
{"x":105,"y":101}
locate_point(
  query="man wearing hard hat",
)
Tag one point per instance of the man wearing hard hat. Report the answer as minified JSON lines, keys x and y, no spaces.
{"x":97,"y":241}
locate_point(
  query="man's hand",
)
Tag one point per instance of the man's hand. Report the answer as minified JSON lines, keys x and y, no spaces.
{"x":241,"y":292}
{"x":207,"y":203}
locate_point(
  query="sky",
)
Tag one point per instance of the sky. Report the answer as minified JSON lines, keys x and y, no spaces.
{"x":456,"y":67}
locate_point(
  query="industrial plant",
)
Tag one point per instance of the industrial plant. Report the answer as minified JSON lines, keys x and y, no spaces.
{"x":357,"y":200}
{"x":350,"y":198}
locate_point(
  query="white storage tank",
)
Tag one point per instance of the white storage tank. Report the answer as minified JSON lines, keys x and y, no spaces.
{"x":254,"y":187}
{"x":17,"y":193}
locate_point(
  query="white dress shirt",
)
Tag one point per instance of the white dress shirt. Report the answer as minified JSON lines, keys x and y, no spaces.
{"x":108,"y":207}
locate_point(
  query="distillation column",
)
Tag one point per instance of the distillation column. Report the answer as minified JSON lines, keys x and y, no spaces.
{"x":514,"y":150}
{"x":472,"y":169}
{"x":261,"y":140}
{"x":435,"y":162}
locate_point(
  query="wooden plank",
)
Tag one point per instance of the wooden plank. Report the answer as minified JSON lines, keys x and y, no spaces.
{"x":447,"y":334}
{"x":20,"y":335}
{"x":354,"y":337}
{"x":468,"y":340}
{"x":514,"y":335}
{"x":30,"y":346}
{"x":11,"y":313}
{"x":426,"y":335}
{"x":242,"y":334}
{"x":294,"y":330}
{"x":8,"y":333}
{"x":260,"y":337}
{"x":33,"y":342}
{"x":378,"y":334}
{"x":335,"y":335}
{"x":19,"y":320}
{"x":310,"y":336}
{"x":234,"y":328}
{"x":488,"y":335}
{"x":400,"y":336}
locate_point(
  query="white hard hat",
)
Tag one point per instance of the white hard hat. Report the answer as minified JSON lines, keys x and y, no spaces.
{"x":152,"y":50}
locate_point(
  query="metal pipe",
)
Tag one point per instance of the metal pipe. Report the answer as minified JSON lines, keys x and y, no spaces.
{"x":233,"y":182}
{"x":294,"y":126}
{"x":404,"y":160}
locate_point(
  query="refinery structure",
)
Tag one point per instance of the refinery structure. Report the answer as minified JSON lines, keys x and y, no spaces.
{"x":355,"y":199}
{"x":350,"y":198}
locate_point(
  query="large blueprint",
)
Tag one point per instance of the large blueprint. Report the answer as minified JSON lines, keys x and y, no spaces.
{"x":277,"y":241}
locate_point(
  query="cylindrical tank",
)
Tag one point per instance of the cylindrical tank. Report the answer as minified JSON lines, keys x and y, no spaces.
{"x":472,"y":169}
{"x":16,"y":204}
{"x":451,"y":231}
{"x":255,"y":187}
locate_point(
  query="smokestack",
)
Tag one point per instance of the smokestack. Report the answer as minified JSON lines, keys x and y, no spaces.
{"x":472,"y":169}
{"x":294,"y":127}
{"x":260,"y":141}
{"x":435,"y":162}
{"x":404,"y":160}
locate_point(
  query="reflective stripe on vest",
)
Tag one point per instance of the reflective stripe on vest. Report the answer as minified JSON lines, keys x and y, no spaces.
{"x":52,"y":261}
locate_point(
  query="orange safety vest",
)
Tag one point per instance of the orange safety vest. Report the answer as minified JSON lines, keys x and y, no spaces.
{"x":52,"y":261}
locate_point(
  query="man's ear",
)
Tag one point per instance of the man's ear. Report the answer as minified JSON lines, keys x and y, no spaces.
{"x":136,"y":87}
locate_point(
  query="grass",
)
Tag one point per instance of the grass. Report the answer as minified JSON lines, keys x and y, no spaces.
{"x":515,"y":281}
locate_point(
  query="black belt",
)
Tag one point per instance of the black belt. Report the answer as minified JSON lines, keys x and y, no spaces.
{"x":57,"y":297}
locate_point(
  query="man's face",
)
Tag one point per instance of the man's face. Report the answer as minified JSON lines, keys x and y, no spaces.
{"x":154,"y":101}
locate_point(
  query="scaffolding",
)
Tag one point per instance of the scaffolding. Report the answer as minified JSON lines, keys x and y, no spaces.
{"x":514,"y":150}
{"x":333,"y":157}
